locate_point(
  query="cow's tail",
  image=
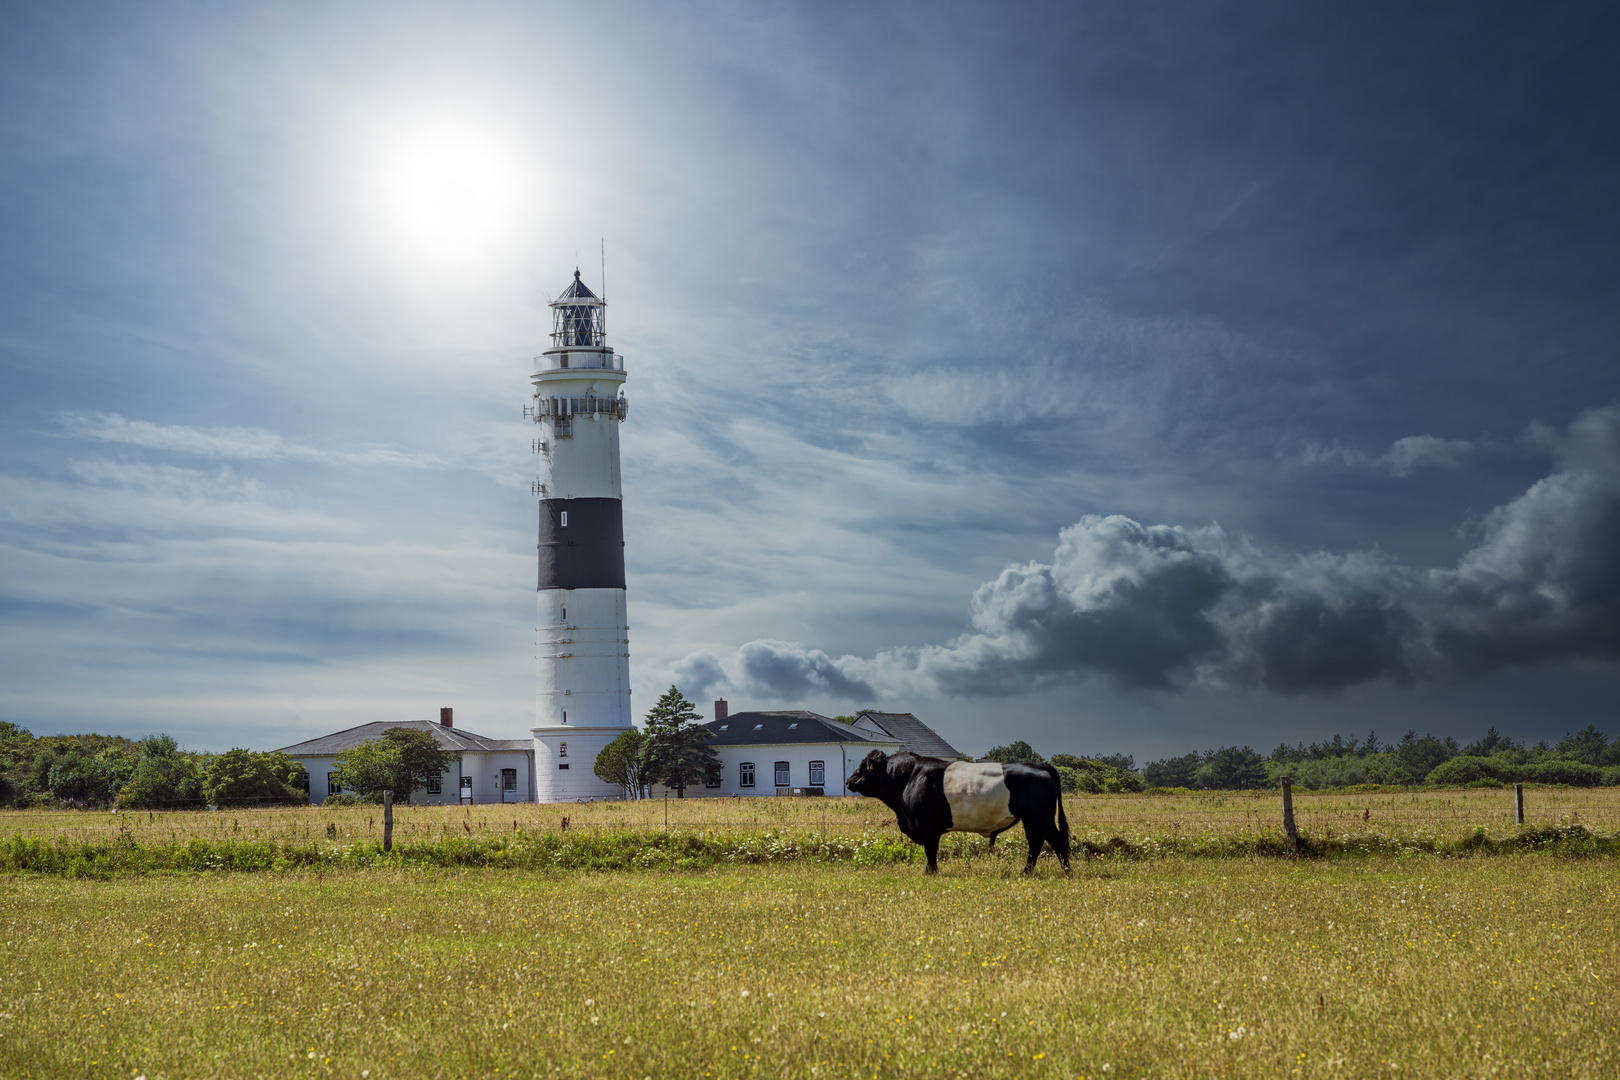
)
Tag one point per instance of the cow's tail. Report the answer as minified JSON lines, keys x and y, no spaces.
{"x":1062,"y":844}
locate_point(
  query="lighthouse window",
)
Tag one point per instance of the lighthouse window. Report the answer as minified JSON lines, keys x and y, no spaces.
{"x":745,"y":774}
{"x":562,"y":749}
{"x":565,"y":519}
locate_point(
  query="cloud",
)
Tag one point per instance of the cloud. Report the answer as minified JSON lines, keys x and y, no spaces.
{"x":772,"y":669}
{"x":1403,"y":458}
{"x":1408,"y":455}
{"x":239,"y":444}
{"x":1164,"y":607}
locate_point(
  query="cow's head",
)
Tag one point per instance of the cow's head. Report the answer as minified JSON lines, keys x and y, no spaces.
{"x":871,"y":777}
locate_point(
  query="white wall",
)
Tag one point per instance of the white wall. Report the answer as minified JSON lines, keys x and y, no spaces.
{"x":483,"y":766}
{"x":840,"y":758}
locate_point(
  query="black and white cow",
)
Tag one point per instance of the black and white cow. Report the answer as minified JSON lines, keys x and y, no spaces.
{"x":931,"y":797}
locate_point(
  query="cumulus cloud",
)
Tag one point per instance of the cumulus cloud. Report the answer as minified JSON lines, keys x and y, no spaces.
{"x":1161,"y":607}
{"x":233,"y":443}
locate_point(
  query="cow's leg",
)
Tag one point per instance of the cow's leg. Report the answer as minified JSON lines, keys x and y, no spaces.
{"x":998,"y":832}
{"x":1033,"y":835}
{"x":931,"y":848}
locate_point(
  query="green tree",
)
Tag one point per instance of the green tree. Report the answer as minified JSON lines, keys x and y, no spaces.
{"x":1232,"y":768}
{"x":164,"y":775}
{"x":1584,"y":746}
{"x":620,"y":763}
{"x":1173,"y":772}
{"x":675,"y":753}
{"x":1013,"y":751}
{"x":1419,"y":757}
{"x":250,"y":776}
{"x":401,"y":761}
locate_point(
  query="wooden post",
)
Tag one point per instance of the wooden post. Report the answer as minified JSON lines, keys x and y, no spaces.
{"x":1288,"y":816}
{"x":388,"y":821}
{"x":666,"y":810}
{"x":1518,"y":804}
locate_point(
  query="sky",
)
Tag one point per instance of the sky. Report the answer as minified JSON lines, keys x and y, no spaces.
{"x":1125,"y":378}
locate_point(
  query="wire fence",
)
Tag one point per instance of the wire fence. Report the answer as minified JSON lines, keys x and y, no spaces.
{"x":1394,"y":814}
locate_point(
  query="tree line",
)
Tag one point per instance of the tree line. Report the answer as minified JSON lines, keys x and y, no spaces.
{"x":1585,"y":758}
{"x":88,"y":771}
{"x":154,"y":772}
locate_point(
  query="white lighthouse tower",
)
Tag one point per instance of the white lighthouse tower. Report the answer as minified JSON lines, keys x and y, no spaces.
{"x":582,"y":635}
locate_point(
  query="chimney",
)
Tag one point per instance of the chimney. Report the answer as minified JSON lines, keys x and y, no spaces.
{"x":721,"y":709}
{"x":445,"y":719}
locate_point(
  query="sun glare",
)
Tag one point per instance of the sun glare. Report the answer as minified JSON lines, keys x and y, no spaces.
{"x":448,"y":189}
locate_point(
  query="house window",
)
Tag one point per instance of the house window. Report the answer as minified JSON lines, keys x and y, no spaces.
{"x":332,"y":785}
{"x":745,"y":774}
{"x":303,"y":781}
{"x":436,"y":786}
{"x":712,"y":783}
{"x":782,"y":774}
{"x":818,"y":773}
{"x":508,"y":779}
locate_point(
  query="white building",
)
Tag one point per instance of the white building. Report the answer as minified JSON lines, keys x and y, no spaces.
{"x":582,"y":636}
{"x":915,"y":735}
{"x":787,"y":752}
{"x":490,"y":770}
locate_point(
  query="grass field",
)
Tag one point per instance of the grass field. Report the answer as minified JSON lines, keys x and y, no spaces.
{"x":1397,"y":814}
{"x":1150,"y":966}
{"x":1416,"y":967}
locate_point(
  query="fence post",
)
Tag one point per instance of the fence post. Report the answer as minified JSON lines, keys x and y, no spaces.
{"x":1518,"y":804}
{"x":1288,"y":816}
{"x":388,"y":821}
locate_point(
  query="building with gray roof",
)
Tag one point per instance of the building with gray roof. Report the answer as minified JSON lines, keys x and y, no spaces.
{"x":490,"y":770}
{"x":913,"y":734}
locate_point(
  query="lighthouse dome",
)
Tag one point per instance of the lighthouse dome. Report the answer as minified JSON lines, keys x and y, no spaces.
{"x":579,"y":318}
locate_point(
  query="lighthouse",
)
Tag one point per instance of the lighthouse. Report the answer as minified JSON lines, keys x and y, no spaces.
{"x":582,"y":635}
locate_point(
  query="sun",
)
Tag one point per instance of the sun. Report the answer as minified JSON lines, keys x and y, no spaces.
{"x":448,"y":187}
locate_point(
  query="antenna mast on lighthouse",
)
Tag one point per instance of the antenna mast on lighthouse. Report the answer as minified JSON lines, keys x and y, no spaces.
{"x":582,"y":636}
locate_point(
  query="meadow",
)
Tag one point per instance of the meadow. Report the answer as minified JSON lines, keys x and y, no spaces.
{"x":1402,"y":815}
{"x":1422,"y":966}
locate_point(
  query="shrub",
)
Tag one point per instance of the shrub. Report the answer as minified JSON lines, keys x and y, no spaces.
{"x":1095,"y":777}
{"x":1466,"y":770}
{"x":249,"y":776}
{"x":1611,"y":776}
{"x":1572,"y":773}
{"x":1485,"y":782}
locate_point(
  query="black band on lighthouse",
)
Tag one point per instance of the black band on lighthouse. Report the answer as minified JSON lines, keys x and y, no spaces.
{"x":581,"y":544}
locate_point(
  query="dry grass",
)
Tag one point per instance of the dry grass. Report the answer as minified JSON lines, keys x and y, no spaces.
{"x":1449,"y":813}
{"x":1415,"y":967}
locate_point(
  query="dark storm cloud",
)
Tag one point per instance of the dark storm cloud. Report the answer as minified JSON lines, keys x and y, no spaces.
{"x":1160,"y":607}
